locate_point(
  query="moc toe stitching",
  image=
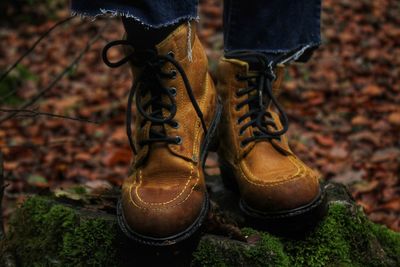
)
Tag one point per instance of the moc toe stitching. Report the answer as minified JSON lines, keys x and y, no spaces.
{"x":171,"y":200}
{"x":164,"y":206}
{"x":301,"y":172}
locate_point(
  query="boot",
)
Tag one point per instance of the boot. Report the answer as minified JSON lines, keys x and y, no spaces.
{"x":164,"y":199}
{"x":278,"y":191}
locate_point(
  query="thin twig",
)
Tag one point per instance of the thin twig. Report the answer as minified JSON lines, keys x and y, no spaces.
{"x":57,"y":79}
{"x":34,"y":113}
{"x":28,"y":145}
{"x":4,"y":75}
{"x":7,"y":259}
{"x":2,"y":232}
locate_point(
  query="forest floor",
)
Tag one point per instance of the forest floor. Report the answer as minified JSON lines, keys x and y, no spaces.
{"x":343,"y":105}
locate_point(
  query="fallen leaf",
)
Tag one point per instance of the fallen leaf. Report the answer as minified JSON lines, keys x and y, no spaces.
{"x":117,"y":156}
{"x":373,"y":90}
{"x":365,"y":187}
{"x":386,"y":154}
{"x":367,"y":136}
{"x":98,"y":186}
{"x":38,"y":181}
{"x":324,"y":140}
{"x":253,"y":239}
{"x":349,"y":177}
{"x":338,"y":153}
{"x":360,"y":121}
{"x":392,"y":205}
{"x":83,"y":157}
{"x":394,"y":118}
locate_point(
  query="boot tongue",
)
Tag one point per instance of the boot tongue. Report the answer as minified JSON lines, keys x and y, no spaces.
{"x":254,"y":64}
{"x":255,"y":67}
{"x":157,"y":127}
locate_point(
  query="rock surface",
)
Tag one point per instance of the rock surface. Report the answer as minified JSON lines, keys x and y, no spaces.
{"x":79,"y":229}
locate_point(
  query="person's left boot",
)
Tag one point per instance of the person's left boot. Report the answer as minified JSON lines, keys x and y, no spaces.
{"x":277,"y":189}
{"x":164,"y":200}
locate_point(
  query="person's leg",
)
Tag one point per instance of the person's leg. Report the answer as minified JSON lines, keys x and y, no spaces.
{"x":146,"y":22}
{"x":282,"y":29}
{"x":154,"y":13}
{"x":164,"y":200}
{"x":277,"y":188}
{"x":143,"y":37}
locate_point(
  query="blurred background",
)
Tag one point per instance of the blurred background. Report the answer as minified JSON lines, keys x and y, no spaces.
{"x":344,"y":105}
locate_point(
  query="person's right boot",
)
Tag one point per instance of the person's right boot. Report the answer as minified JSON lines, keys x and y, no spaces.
{"x":164,"y":200}
{"x":278,"y":191}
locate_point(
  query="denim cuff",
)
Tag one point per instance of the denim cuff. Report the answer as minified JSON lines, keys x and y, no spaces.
{"x":284,"y":30}
{"x":146,"y":12}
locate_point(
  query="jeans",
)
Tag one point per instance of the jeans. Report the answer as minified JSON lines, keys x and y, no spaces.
{"x":285,"y":30}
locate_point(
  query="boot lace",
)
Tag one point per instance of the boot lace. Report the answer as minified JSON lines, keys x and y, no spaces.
{"x":150,"y":81}
{"x":260,"y":97}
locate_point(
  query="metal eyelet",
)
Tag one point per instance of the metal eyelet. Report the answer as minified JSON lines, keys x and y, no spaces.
{"x":172,"y":90}
{"x":175,"y":125}
{"x":173,"y":73}
{"x":178,"y":140}
{"x":171,"y":54}
{"x":237,"y":108}
{"x":242,"y":144}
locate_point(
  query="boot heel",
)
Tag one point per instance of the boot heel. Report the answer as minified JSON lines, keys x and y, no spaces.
{"x":228,"y":178}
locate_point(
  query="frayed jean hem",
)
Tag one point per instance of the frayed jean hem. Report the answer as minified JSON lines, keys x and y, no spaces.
{"x":120,"y":13}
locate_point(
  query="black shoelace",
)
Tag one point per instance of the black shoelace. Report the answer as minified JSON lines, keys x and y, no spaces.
{"x":260,"y":97}
{"x":151,"y":81}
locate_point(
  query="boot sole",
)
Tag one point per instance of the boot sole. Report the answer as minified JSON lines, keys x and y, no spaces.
{"x":162,"y":241}
{"x":291,"y":223}
{"x":196,"y":226}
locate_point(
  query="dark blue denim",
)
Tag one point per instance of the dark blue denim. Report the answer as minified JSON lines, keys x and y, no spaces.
{"x":152,"y":13}
{"x":286,"y":30}
{"x":283,"y":29}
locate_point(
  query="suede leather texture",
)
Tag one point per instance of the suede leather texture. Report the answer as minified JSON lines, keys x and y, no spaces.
{"x":165,"y":192}
{"x":270,"y":176}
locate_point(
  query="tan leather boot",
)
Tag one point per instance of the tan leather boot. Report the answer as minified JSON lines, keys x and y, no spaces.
{"x":277,"y":189}
{"x":164,"y":200}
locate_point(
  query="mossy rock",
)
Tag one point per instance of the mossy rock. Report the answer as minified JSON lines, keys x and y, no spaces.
{"x":344,"y":238}
{"x":46,"y":232}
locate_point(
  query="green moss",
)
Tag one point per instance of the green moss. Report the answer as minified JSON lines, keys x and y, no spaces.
{"x":14,"y":81}
{"x":90,"y":244}
{"x":268,"y":250}
{"x":208,"y":254}
{"x":326,"y":245}
{"x":81,"y":190}
{"x":389,"y":240}
{"x":344,"y":238}
{"x":43,"y":233}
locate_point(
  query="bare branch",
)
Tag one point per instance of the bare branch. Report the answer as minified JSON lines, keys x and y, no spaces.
{"x":57,"y":79}
{"x":7,"y":259}
{"x":4,"y":75}
{"x":59,"y":142}
{"x":34,"y":113}
{"x":2,"y":233}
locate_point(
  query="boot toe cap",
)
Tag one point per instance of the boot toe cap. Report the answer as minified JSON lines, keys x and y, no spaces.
{"x":289,"y":191}
{"x":162,"y":219}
